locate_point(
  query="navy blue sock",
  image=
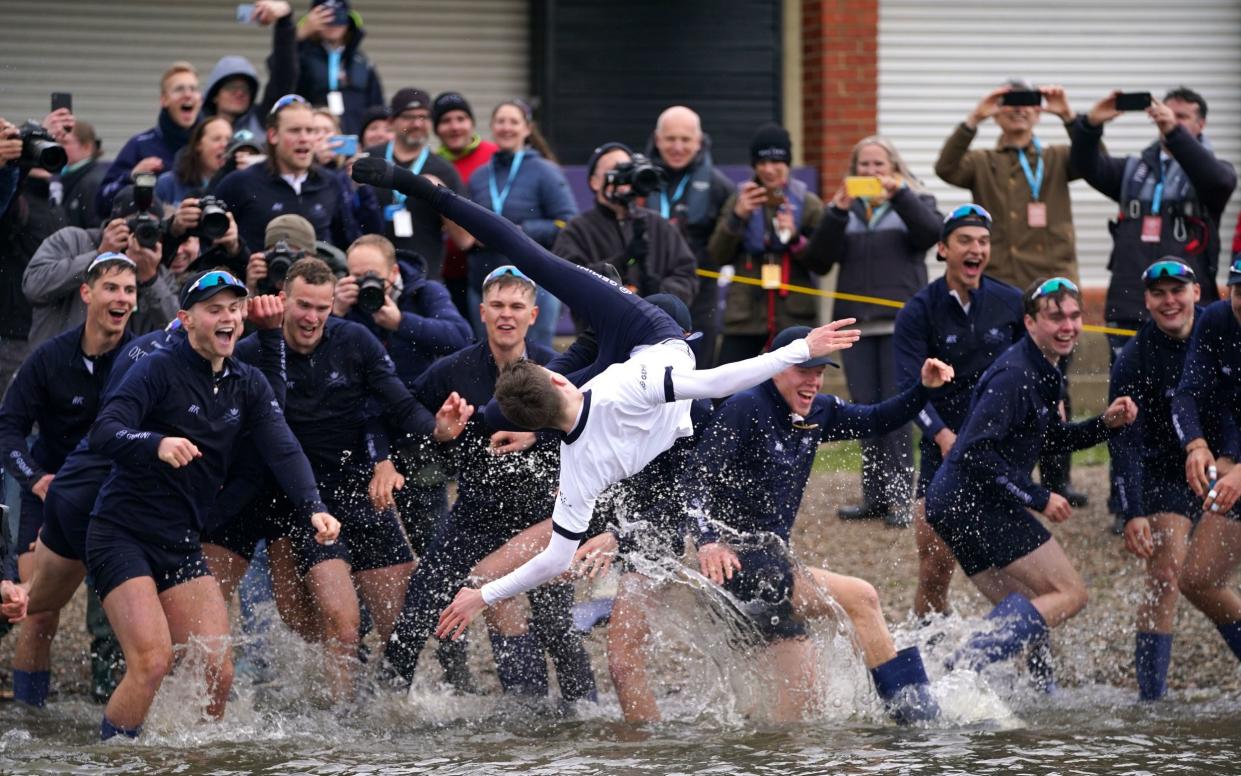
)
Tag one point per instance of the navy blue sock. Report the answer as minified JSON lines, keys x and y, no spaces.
{"x":1038,"y":663}
{"x":1021,"y":625}
{"x":903,"y":685}
{"x":1151,"y":656}
{"x":1232,"y":636}
{"x":520,"y":664}
{"x":31,"y":687}
{"x":108,"y":730}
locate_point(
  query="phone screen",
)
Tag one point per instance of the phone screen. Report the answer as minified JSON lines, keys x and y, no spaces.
{"x":1022,"y":98}
{"x":346,"y":145}
{"x":245,"y":13}
{"x":62,"y":100}
{"x":1126,"y":101}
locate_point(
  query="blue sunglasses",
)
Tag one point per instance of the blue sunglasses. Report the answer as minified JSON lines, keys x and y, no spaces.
{"x":506,"y":270}
{"x":1169,"y":269}
{"x":967,"y":210}
{"x":1054,"y":286}
{"x":286,"y":101}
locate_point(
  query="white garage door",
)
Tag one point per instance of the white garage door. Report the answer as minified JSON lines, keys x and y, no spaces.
{"x":937,"y":59}
{"x":110,"y":55}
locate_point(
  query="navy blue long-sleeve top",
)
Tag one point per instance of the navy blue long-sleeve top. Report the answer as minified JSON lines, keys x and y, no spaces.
{"x":1013,"y":416}
{"x":1148,"y":370}
{"x":934,"y":325}
{"x":430,"y":324}
{"x":751,"y":467}
{"x":1212,"y":370}
{"x":58,"y":390}
{"x":327,"y":393}
{"x":173,"y":393}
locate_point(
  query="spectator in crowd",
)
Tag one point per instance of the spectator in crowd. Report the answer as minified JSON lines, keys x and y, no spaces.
{"x":523,"y":183}
{"x":233,"y":86}
{"x":183,"y":239}
{"x":880,"y":244}
{"x":244,"y":149}
{"x":196,"y":165}
{"x":289,"y":181}
{"x":692,"y":194}
{"x":412,"y":225}
{"x":56,"y":270}
{"x":618,"y":238}
{"x":763,"y":234}
{"x":332,"y":69}
{"x":1025,"y":185}
{"x":298,"y":237}
{"x":28,"y":218}
{"x":1171,"y":197}
{"x":326,"y":125}
{"x":453,"y":121}
{"x":81,"y":178}
{"x":376,"y":128}
{"x":154,"y":151}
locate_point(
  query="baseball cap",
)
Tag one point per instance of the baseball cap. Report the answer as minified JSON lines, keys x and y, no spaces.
{"x":968,"y":214}
{"x":1234,"y":271}
{"x":794,"y":333}
{"x":293,"y":229}
{"x":675,"y":308}
{"x":207,"y":285}
{"x":109,"y":257}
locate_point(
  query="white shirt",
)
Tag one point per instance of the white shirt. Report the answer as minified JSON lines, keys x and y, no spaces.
{"x":637,"y":409}
{"x":296,"y":181}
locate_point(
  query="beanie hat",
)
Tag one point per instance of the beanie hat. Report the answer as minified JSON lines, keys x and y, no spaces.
{"x":596,"y":154}
{"x":408,"y":98}
{"x":771,"y":144}
{"x":446,"y":102}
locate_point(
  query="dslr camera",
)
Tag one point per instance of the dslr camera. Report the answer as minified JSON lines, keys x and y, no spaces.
{"x":639,"y":174}
{"x":39,"y":149}
{"x":144,"y":227}
{"x":213,"y":223}
{"x":371,"y":291}
{"x":279,"y":259}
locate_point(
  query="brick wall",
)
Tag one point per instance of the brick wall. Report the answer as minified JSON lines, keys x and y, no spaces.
{"x":840,"y":89}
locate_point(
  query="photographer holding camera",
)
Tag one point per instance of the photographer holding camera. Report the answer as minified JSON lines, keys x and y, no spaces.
{"x":55,"y":272}
{"x":286,"y":239}
{"x":648,"y":252}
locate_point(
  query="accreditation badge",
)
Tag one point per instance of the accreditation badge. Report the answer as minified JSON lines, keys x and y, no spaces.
{"x":771,"y":277}
{"x":1152,"y":227}
{"x":336,"y":103}
{"x":1036,"y":215}
{"x":402,"y":223}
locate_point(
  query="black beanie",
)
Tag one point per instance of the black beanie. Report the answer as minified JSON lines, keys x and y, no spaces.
{"x":771,"y":144}
{"x":449,"y":101}
{"x":598,"y":153}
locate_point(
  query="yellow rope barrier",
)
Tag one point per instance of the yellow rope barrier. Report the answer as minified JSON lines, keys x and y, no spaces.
{"x":706,"y":273}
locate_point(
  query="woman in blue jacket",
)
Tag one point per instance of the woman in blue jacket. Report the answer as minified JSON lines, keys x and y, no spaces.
{"x":523,"y":183}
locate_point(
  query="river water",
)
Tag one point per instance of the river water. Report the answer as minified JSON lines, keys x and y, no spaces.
{"x":715,"y":692}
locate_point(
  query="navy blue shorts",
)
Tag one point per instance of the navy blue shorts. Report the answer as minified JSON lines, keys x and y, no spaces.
{"x":369,"y":538}
{"x":764,"y":587}
{"x":242,"y":534}
{"x":64,"y":526}
{"x":1175,"y":496}
{"x":29,"y":522}
{"x":982,"y":534}
{"x":115,"y":555}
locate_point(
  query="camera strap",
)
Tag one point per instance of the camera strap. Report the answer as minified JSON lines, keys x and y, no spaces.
{"x":498,"y":197}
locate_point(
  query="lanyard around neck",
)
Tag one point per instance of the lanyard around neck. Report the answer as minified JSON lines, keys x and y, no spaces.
{"x":665,"y":204}
{"x":416,"y":168}
{"x":1035,"y":179}
{"x":498,"y":197}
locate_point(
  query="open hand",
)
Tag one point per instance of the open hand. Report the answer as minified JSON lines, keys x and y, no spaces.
{"x":457,"y":617}
{"x":505,"y":442}
{"x":936,"y":373}
{"x":717,"y":562}
{"x":831,"y":337}
{"x":451,"y":419}
{"x":594,"y":558}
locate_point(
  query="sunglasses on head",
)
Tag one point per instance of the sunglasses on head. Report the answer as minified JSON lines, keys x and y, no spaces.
{"x":1054,"y":286}
{"x":216,"y":278}
{"x":1168,"y":269}
{"x":967,"y":210}
{"x":506,"y":270}
{"x":286,"y":101}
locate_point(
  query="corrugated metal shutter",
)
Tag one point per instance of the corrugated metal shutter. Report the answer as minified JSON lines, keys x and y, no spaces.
{"x":936,"y":60}
{"x":110,"y":54}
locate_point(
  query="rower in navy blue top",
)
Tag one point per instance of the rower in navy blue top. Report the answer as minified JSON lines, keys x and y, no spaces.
{"x":1209,"y":387}
{"x":58,"y":388}
{"x":1148,"y":475}
{"x":966,"y":319}
{"x":171,"y":428}
{"x":746,"y":479}
{"x":981,"y":500}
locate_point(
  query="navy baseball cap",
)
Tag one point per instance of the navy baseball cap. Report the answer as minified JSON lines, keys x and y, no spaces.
{"x":794,"y":333}
{"x":1234,"y":271}
{"x":207,"y":285}
{"x":1169,"y":268}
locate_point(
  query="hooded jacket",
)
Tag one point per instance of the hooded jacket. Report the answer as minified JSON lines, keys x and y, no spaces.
{"x":281,"y":68}
{"x":79,"y":193}
{"x":163,"y":140}
{"x":29,"y":218}
{"x":359,"y":83}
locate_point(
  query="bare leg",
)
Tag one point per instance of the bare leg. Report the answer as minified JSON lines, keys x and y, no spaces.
{"x":793,"y":666}
{"x":1157,"y":610}
{"x":138,"y":618}
{"x":628,"y":635}
{"x":935,"y":566}
{"x":53,"y":580}
{"x":1213,"y":554}
{"x":508,"y":617}
{"x":383,"y":590}
{"x":226,"y":566}
{"x":293,"y":600}
{"x":1059,"y":592}
{"x":33,"y":651}
{"x":860,"y":602}
{"x":332,"y":590}
{"x":196,"y":610}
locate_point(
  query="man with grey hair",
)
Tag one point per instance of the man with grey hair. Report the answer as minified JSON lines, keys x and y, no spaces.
{"x":691,"y":196}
